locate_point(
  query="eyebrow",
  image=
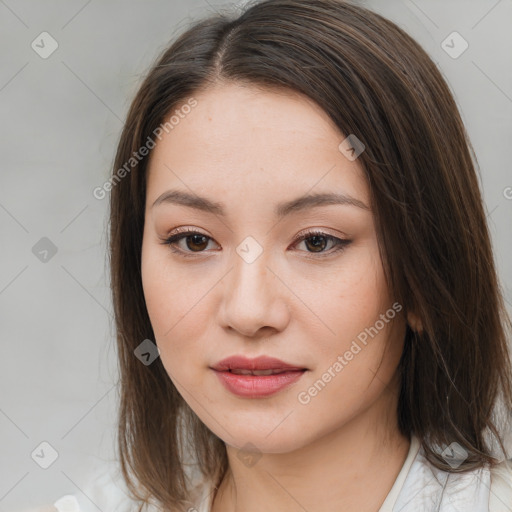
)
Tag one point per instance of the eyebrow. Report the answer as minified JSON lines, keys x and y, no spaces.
{"x":282,"y":209}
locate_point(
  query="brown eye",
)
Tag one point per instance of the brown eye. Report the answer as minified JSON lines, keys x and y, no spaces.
{"x":195,"y":242}
{"x":317,"y":241}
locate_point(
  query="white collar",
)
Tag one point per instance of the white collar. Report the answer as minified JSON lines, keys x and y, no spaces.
{"x":428,"y":488}
{"x":420,"y":486}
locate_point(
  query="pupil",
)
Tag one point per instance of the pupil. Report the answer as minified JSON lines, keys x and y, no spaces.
{"x":316,"y":244}
{"x":195,"y":239}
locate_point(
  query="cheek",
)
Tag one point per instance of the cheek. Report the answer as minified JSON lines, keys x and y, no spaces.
{"x":156,"y":283}
{"x":347,"y":300}
{"x":359,"y":355}
{"x":160,"y":291}
{"x":354,"y":371}
{"x":176,"y":306}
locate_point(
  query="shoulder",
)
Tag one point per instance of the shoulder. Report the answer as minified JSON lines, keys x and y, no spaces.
{"x":500,"y":499}
{"x":66,"y":503}
{"x":103,"y":489}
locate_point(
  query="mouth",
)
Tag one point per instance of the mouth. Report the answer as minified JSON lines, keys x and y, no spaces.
{"x":258,"y":377}
{"x":260,"y":383}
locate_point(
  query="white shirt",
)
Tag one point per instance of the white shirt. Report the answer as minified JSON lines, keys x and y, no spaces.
{"x":419,"y":487}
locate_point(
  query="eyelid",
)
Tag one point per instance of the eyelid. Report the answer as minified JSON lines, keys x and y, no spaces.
{"x":319,"y":232}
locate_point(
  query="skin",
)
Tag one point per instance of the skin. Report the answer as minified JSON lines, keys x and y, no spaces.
{"x":250,"y":149}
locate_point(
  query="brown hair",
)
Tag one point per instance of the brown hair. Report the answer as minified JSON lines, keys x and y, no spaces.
{"x":376,"y":82}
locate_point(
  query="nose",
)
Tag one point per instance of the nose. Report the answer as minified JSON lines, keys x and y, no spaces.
{"x":254,"y":301}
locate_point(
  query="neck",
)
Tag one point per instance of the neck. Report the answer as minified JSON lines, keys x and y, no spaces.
{"x":336,"y":470}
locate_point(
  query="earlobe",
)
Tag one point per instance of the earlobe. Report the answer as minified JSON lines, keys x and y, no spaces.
{"x":414,"y":322}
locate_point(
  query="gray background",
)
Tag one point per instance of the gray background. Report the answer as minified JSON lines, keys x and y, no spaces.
{"x":61,"y":118}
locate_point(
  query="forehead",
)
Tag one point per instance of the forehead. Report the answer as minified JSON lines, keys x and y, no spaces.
{"x":251,"y":140}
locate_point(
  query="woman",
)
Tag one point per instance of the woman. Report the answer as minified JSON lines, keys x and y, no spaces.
{"x":305,"y":295}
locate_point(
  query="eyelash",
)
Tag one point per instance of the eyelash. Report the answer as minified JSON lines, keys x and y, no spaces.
{"x":340,"y":243}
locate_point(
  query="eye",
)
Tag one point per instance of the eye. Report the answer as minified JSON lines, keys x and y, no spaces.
{"x":197,"y":242}
{"x":318,"y":240}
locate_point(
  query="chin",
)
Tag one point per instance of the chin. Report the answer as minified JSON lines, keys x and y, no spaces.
{"x":264,"y":439}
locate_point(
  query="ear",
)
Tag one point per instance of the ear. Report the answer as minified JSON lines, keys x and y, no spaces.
{"x":414,"y":322}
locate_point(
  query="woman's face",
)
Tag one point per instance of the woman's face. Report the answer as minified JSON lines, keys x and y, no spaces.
{"x":252,"y":280}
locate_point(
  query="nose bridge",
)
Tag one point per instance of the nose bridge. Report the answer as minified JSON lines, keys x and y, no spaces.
{"x":251,"y":299}
{"x":251,"y":281}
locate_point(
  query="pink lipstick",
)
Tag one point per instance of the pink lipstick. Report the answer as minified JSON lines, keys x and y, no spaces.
{"x":259,"y":377}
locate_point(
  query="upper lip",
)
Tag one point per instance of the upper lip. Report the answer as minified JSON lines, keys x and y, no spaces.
{"x":259,"y":363}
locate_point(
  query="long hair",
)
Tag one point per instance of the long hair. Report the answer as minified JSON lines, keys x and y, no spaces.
{"x":376,"y":82}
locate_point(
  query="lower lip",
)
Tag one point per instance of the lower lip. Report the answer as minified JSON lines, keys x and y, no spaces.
{"x":254,"y":386}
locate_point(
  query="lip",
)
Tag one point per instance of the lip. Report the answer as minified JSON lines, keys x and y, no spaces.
{"x":256,"y":386}
{"x":258,"y":363}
